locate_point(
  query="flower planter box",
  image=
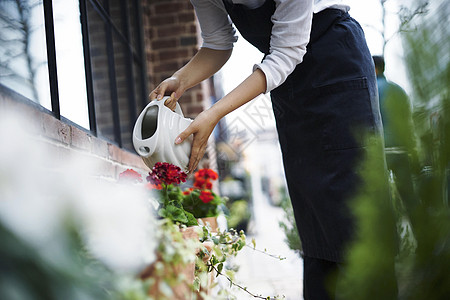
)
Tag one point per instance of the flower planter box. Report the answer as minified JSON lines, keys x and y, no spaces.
{"x":182,"y":291}
{"x":180,"y":207}
{"x":212,"y":221}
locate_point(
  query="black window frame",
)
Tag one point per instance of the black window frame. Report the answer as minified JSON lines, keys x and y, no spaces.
{"x":131,"y":57}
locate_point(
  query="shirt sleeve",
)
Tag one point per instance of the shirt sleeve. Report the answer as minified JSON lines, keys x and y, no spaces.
{"x":291,"y":29}
{"x":216,"y":27}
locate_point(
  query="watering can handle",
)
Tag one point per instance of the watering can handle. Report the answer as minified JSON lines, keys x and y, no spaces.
{"x":177,"y":107}
{"x":178,"y":110}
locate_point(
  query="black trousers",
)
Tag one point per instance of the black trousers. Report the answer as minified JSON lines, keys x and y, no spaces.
{"x":320,"y":278}
{"x":325,"y":280}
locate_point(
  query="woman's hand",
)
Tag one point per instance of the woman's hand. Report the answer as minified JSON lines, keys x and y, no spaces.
{"x":205,"y":122}
{"x":201,"y":128}
{"x":170,"y":85}
{"x":202,"y":66}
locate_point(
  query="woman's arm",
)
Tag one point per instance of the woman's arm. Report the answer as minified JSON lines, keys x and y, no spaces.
{"x":202,"y":66}
{"x":205,"y":122}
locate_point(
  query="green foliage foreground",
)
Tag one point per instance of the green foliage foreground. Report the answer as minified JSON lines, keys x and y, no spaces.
{"x":422,"y":263}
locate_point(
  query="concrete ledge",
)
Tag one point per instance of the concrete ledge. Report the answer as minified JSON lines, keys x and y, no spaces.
{"x":69,"y":141}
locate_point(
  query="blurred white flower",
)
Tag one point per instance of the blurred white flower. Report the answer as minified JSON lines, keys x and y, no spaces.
{"x":38,"y":198}
{"x":118,"y":225}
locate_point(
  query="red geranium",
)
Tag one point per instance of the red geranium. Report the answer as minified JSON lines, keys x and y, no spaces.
{"x":206,"y":196}
{"x":152,"y":186}
{"x":200,"y":200}
{"x":206,"y":174}
{"x":203,"y":178}
{"x":130,"y":175}
{"x":153,"y":178}
{"x":199,"y":182}
{"x":166,"y":173}
{"x":188,"y":191}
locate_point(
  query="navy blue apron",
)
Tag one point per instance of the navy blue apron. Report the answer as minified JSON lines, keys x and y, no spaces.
{"x":322,"y":111}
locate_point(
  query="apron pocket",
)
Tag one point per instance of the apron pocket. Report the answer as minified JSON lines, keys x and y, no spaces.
{"x":349,"y":117}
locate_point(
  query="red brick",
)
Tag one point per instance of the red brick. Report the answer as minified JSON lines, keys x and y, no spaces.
{"x":158,"y":44}
{"x":167,"y":7}
{"x":160,"y":77}
{"x":186,"y":17}
{"x":192,"y":28}
{"x":80,"y":139}
{"x":162,"y":19}
{"x":173,"y":54}
{"x":193,"y":111}
{"x":170,"y":30}
{"x":199,"y":97}
{"x":151,"y":57}
{"x":166,"y":67}
{"x":114,"y":152}
{"x":132,"y":159}
{"x":186,"y":99}
{"x":188,"y":40}
{"x":55,"y":129}
{"x":188,"y":5}
{"x":150,"y":33}
{"x":99,"y":147}
{"x":125,"y":157}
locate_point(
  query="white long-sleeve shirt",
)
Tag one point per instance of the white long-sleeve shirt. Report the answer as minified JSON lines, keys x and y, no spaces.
{"x":290,"y":32}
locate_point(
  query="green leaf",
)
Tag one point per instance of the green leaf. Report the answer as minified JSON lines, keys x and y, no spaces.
{"x":176,"y":214}
{"x":191,"y":220}
{"x":219,"y":268}
{"x":196,"y":284}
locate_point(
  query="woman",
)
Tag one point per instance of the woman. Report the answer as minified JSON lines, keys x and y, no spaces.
{"x":321,"y":77}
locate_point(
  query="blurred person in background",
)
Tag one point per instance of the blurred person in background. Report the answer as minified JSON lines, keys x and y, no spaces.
{"x":399,"y":137}
{"x":321,"y":77}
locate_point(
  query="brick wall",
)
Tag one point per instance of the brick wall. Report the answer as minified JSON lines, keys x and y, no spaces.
{"x":104,"y":66}
{"x":68,"y":141}
{"x":171,"y":39}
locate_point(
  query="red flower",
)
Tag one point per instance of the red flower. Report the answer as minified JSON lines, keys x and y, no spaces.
{"x":153,"y":179}
{"x":208,"y":185}
{"x":203,"y":178}
{"x":130,"y":175}
{"x":213,"y":175}
{"x":199,"y":182}
{"x":152,"y":186}
{"x":166,"y":173}
{"x":188,"y":191}
{"x":206,"y":196}
{"x":206,"y":173}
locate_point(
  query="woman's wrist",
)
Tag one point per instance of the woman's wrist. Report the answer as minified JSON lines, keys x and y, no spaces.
{"x":180,"y":82}
{"x":250,"y":88}
{"x":216,"y":113}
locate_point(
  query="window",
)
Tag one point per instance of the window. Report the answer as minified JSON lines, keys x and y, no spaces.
{"x":70,"y":61}
{"x":23,"y":50}
{"x":80,"y":59}
{"x":118,"y":71}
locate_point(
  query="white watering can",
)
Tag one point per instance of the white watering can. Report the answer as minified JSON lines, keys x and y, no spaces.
{"x":154,"y":135}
